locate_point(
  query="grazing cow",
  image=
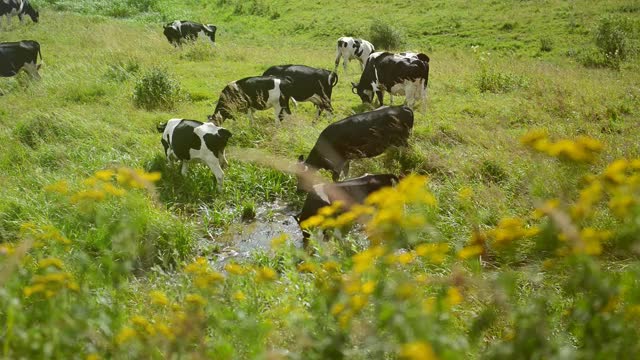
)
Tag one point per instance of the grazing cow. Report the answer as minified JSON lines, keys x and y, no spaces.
{"x":350,"y":48}
{"x":253,"y":93}
{"x":11,"y":8}
{"x":352,"y":191}
{"x":399,"y":74}
{"x":186,"y":140}
{"x":308,"y":84}
{"x":188,"y":30}
{"x":359,"y":136}
{"x":19,"y":55}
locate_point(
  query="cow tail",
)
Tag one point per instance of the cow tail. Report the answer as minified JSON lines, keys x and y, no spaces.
{"x":333,"y":79}
{"x":161,"y":127}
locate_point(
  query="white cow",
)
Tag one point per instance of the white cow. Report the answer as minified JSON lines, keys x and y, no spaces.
{"x":350,"y":48}
{"x":186,"y":140}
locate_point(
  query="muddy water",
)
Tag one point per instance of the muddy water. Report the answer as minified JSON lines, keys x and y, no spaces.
{"x":246,"y":237}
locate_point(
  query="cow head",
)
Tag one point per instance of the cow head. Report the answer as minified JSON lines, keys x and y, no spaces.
{"x":365,"y":93}
{"x":302,"y":169}
{"x":33,"y":13}
{"x":220,"y":114}
{"x":210,"y":30}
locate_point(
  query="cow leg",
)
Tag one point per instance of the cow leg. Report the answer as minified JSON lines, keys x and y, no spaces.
{"x":184,"y":167}
{"x":380,"y":96}
{"x":214,"y":165}
{"x":344,"y":63}
{"x":32,"y":69}
{"x":21,"y":17}
{"x":390,"y":99}
{"x":335,"y":175}
{"x":225,"y":162}
{"x":335,"y":69}
{"x":250,"y":114}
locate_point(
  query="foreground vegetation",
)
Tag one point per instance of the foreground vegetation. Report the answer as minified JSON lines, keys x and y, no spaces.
{"x":518,"y":239}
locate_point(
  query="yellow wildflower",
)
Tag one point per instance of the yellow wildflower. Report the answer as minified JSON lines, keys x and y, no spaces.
{"x":368,"y":287}
{"x":239,"y":295}
{"x":93,"y":357}
{"x":331,"y":266}
{"x":125,"y":335}
{"x":365,"y":260}
{"x":405,"y":291}
{"x":312,"y":221}
{"x":235,"y":269}
{"x":195,"y":299}
{"x":149,"y":176}
{"x":307,"y":267}
{"x":279,"y":240}
{"x":533,"y":137}
{"x":266,"y":274}
{"x":358,"y":302}
{"x":465,"y":193}
{"x":337,"y":308}
{"x":621,"y":205}
{"x":139,"y":321}
{"x":7,"y":249}
{"x":434,"y":252}
{"x":158,"y":298}
{"x":34,"y":289}
{"x":60,"y":187}
{"x":104,"y":175}
{"x":470,"y":251}
{"x":418,"y":350}
{"x":112,"y":190}
{"x":615,"y":172}
{"x":454,"y":297}
{"x":404,"y":258}
{"x":54,"y":262}
{"x":164,"y":330}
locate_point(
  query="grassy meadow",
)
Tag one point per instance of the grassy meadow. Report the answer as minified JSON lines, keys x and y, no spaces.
{"x":522,"y":243}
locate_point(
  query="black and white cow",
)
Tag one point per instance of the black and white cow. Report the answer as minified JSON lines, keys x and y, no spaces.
{"x":352,"y":191}
{"x":359,"y":136}
{"x":399,"y":74}
{"x":253,"y":93}
{"x":186,"y":140}
{"x":308,"y":84}
{"x":21,"y":8}
{"x":15,"y":56}
{"x":188,"y":30}
{"x":350,"y":48}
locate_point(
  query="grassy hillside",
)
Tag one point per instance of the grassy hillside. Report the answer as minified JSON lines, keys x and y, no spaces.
{"x":498,"y":70}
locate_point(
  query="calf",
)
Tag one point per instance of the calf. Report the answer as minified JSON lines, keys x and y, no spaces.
{"x":178,"y":30}
{"x":308,"y":84}
{"x":359,"y":136}
{"x":253,"y":93}
{"x":11,"y":8}
{"x":186,"y":140}
{"x":350,"y":48}
{"x":352,"y":191}
{"x":15,"y":56}
{"x":399,"y":74}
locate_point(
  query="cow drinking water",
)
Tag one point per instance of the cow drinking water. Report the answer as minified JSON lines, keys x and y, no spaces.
{"x":187,"y":140}
{"x":359,"y":136}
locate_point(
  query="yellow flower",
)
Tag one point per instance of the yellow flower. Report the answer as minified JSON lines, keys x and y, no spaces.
{"x":54,"y":262}
{"x":454,"y":297}
{"x":434,"y":252}
{"x":7,"y":249}
{"x":312,"y":221}
{"x":418,"y":350}
{"x":235,"y":269}
{"x":533,"y":137}
{"x":125,"y":335}
{"x":139,"y":321}
{"x":368,"y":287}
{"x":158,"y":298}
{"x":337,"y":308}
{"x":149,"y":176}
{"x":164,"y":330}
{"x":93,"y":357}
{"x":621,"y":205}
{"x":404,"y":258}
{"x":331,"y":266}
{"x":115,"y":191}
{"x":266,"y":274}
{"x":465,"y":193}
{"x":365,"y":260}
{"x":60,"y":187}
{"x":279,"y":240}
{"x":615,"y":172}
{"x":405,"y":291}
{"x":470,"y":251}
{"x":195,"y":299}
{"x":34,"y":289}
{"x":104,"y":175}
{"x":358,"y":302}
{"x":239,"y":295}
{"x":307,"y":267}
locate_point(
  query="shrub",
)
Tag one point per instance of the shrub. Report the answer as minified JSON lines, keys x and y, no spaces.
{"x":155,"y":89}
{"x":613,"y":38}
{"x":546,"y":44}
{"x":122,"y":70}
{"x":383,"y":36}
{"x":491,"y":80}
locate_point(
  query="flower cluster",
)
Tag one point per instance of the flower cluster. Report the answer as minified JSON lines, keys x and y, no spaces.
{"x":51,"y":281}
{"x":582,"y":149}
{"x":203,"y":276}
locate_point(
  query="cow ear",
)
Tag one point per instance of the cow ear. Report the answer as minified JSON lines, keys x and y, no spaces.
{"x":301,"y":158}
{"x":224,"y":133}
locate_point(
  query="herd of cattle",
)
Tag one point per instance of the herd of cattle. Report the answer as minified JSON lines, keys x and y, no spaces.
{"x":358,"y":136}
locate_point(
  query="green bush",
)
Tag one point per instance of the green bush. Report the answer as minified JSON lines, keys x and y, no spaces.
{"x":494,"y":81}
{"x":546,"y":44}
{"x":384,"y":36}
{"x":613,"y":38}
{"x":155,"y":89}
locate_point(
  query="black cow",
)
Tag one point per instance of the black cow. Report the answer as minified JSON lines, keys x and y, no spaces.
{"x":185,"y":140}
{"x":188,"y":30}
{"x":253,"y":93}
{"x":359,"y":136}
{"x":399,"y":74}
{"x":352,"y":191}
{"x":11,"y":8}
{"x":18,"y":55}
{"x":308,"y":84}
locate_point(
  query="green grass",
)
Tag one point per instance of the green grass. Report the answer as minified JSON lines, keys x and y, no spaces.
{"x":490,"y":83}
